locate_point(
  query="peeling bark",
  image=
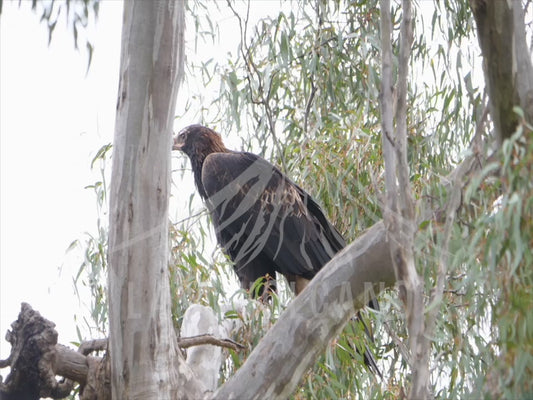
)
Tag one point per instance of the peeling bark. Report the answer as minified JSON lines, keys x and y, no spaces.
{"x":145,"y":360}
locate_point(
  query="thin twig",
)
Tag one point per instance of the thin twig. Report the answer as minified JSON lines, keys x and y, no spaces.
{"x":404,"y":351}
{"x":313,"y":87}
{"x":308,"y":106}
{"x":264,"y":99}
{"x":198,"y":340}
{"x":198,"y":214}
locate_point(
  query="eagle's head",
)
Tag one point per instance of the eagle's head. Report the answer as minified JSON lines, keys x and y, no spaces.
{"x":198,"y":142}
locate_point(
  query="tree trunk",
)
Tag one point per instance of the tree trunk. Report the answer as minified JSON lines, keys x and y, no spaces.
{"x":506,"y":62}
{"x":145,"y":360}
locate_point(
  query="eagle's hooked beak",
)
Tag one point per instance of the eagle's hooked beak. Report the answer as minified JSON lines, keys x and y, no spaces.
{"x":178,"y":142}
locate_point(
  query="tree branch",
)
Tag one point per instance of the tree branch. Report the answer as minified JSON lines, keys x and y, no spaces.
{"x":399,"y":214}
{"x":93,"y":345}
{"x":402,"y":172}
{"x":36,"y":359}
{"x":198,"y":340}
{"x":386,"y":101}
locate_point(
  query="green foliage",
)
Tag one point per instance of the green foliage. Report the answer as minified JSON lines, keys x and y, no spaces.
{"x":302,"y":89}
{"x":92,"y":273}
{"x":504,"y":239}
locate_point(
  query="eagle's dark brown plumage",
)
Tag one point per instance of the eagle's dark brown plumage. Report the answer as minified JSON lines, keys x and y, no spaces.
{"x":263,"y":221}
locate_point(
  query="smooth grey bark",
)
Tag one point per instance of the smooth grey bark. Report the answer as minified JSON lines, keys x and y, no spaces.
{"x":387,"y":104}
{"x":524,"y":64}
{"x":145,"y":359}
{"x":317,"y":315}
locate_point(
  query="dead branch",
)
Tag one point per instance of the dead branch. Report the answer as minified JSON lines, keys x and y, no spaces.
{"x":36,"y":358}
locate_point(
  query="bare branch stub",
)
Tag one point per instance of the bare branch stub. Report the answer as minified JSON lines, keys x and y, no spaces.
{"x":33,"y":341}
{"x":36,"y":359}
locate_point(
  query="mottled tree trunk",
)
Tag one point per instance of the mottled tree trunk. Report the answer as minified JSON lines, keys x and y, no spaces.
{"x":506,"y":62}
{"x":145,"y":360}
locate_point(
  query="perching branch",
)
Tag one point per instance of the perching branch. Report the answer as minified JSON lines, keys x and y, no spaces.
{"x":317,"y":315}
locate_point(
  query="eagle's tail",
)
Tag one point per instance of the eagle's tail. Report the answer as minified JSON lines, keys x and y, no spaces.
{"x":368,"y":357}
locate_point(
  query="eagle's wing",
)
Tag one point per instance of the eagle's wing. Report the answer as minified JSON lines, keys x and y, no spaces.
{"x":263,"y":220}
{"x":266,"y":223}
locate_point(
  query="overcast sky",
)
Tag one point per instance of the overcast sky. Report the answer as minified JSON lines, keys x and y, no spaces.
{"x":53,"y":119}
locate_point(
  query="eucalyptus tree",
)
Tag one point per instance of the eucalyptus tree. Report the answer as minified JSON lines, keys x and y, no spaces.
{"x":376,"y":125}
{"x":304,"y":88}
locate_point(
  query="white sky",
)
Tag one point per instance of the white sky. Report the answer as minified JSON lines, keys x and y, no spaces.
{"x":53,"y":119}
